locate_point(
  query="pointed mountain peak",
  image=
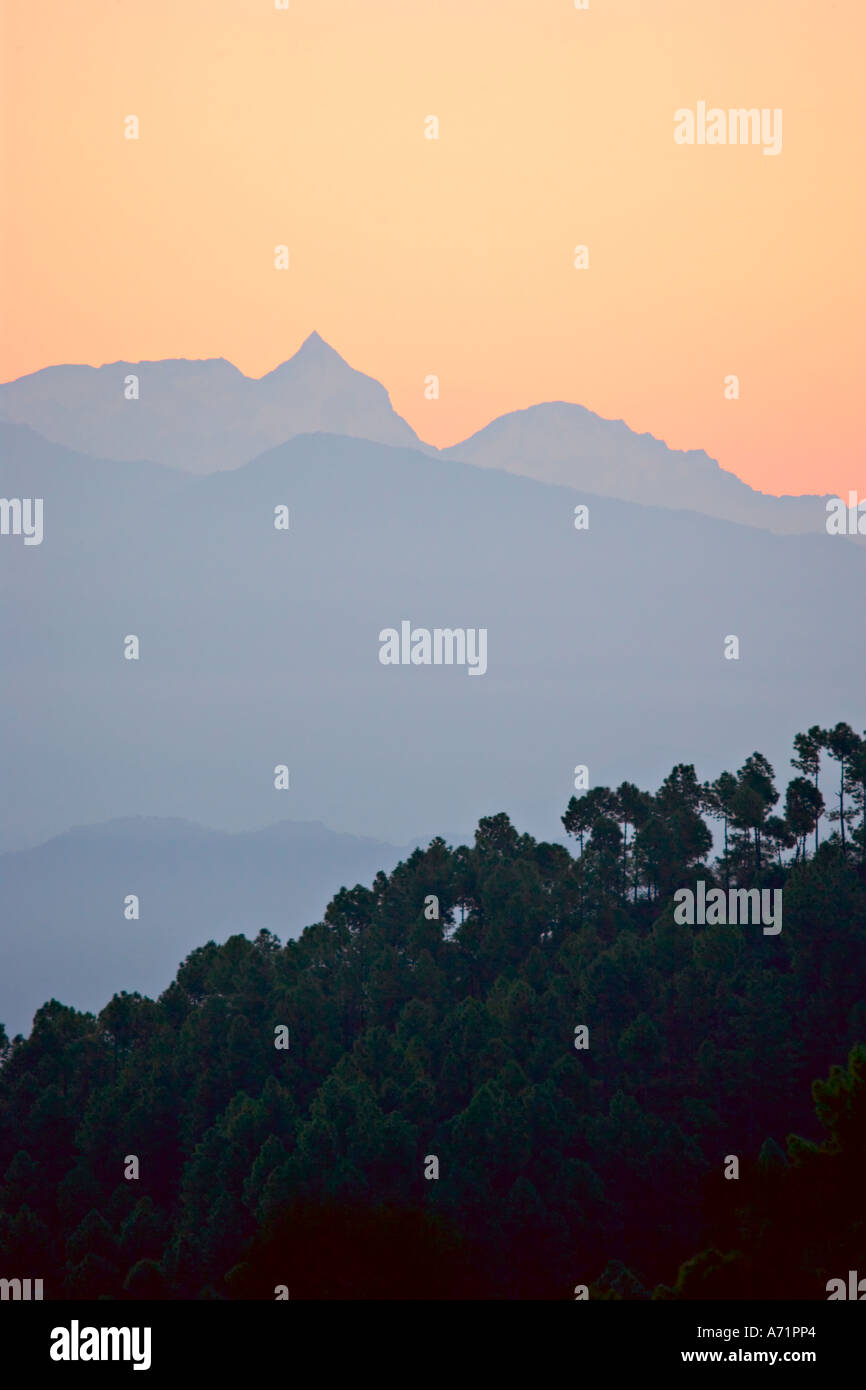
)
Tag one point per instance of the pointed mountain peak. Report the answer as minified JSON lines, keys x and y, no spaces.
{"x":314,"y":353}
{"x":313,"y":340}
{"x":315,"y":349}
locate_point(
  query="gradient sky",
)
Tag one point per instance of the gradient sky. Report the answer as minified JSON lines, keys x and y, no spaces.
{"x":455,"y":257}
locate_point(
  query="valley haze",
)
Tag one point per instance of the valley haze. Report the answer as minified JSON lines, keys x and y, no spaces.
{"x":259,"y":648}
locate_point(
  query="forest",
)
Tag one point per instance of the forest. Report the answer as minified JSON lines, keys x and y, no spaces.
{"x":503,"y":1071}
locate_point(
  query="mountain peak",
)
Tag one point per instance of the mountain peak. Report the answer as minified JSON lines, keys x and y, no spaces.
{"x":315,"y":349}
{"x":315,"y":355}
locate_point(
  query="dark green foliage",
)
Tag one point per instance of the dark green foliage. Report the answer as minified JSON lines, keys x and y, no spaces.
{"x":414,"y":1034}
{"x":792,"y":1222}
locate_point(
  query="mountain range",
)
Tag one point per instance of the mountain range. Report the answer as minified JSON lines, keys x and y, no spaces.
{"x":207,"y":416}
{"x":202,"y":416}
{"x":260,"y":647}
{"x":72,"y":941}
{"x":569,"y":445}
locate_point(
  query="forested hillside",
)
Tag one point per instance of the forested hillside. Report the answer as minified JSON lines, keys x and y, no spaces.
{"x":580,"y":1065}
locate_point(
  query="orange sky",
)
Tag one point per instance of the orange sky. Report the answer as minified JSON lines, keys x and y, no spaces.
{"x":455,"y":257}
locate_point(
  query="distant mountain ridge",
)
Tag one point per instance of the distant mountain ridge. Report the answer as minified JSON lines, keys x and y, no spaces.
{"x":567,"y":444}
{"x":62,"y":902}
{"x":260,"y":647}
{"x":203,"y":416}
{"x":207,"y":416}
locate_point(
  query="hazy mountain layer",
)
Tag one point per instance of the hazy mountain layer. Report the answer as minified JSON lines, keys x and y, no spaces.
{"x":560,"y":443}
{"x":64,"y":932}
{"x":202,"y":416}
{"x":260,"y":647}
{"x":206,"y":416}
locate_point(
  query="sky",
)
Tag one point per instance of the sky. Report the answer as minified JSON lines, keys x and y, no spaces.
{"x":454,"y":257}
